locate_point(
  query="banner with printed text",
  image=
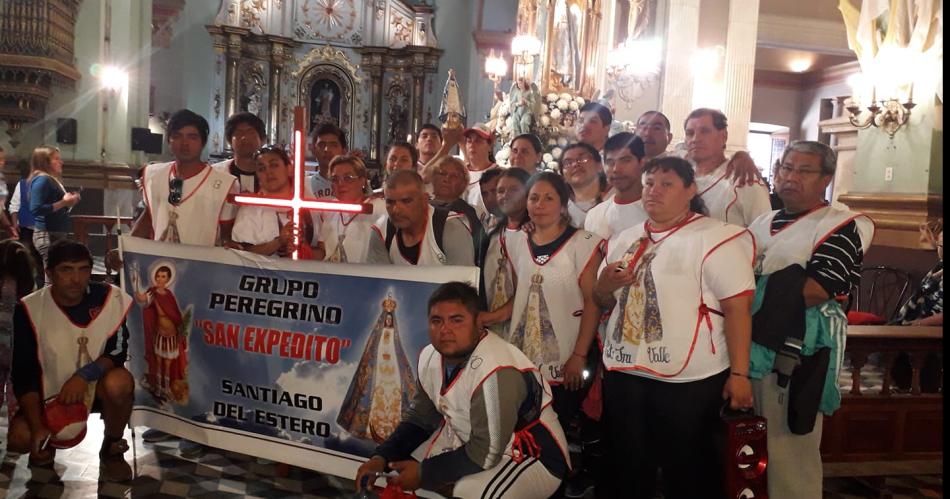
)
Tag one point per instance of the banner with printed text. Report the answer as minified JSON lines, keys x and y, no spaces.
{"x":306,"y":363}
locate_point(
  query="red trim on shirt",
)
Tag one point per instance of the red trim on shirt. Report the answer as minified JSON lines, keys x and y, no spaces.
{"x":842,"y":224}
{"x":748,"y":292}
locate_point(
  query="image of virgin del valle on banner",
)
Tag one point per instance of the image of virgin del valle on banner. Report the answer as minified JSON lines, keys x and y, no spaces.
{"x":307,"y":363}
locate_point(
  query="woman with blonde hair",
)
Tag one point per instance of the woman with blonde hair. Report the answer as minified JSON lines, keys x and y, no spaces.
{"x":49,"y":201}
{"x":344,"y":237}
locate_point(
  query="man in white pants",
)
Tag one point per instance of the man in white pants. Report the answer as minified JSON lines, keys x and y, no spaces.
{"x":481,"y":423}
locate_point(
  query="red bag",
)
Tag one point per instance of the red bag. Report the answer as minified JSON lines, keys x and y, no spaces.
{"x":393,"y":492}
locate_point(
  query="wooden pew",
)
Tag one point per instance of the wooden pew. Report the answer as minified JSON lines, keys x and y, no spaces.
{"x":885,"y":430}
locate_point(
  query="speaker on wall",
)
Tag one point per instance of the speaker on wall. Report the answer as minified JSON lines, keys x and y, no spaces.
{"x":66,"y":130}
{"x":144,"y":140}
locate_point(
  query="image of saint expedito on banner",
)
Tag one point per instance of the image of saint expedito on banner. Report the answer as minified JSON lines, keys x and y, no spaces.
{"x":383,"y":385}
{"x":166,"y":328}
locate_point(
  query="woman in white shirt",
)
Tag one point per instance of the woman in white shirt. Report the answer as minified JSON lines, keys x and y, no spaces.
{"x":269,"y":230}
{"x":676,"y":346}
{"x":553,"y":314}
{"x":344,"y":237}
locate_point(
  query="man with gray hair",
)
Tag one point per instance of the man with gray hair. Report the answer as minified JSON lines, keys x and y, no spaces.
{"x":808,"y":256}
{"x":415,"y":233}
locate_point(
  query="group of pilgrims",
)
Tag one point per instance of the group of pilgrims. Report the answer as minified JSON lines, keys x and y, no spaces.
{"x":627,"y":277}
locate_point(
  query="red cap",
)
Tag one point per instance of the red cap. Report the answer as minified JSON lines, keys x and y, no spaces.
{"x":67,"y":423}
{"x":478,"y":130}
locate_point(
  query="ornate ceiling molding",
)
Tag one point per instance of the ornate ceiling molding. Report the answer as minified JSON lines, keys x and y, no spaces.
{"x":327,"y":54}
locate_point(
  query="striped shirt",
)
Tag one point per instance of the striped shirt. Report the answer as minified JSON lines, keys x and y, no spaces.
{"x":836,"y":263}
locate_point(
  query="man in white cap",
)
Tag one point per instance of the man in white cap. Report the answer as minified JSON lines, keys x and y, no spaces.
{"x":69,"y":345}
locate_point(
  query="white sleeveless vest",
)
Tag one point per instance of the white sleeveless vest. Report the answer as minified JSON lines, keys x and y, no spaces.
{"x":559,"y":284}
{"x":798,"y":240}
{"x":454,"y":403}
{"x":686,"y":342}
{"x":203,"y":198}
{"x":499,"y":276}
{"x":354,"y":230}
{"x":429,"y":253}
{"x":57,"y":337}
{"x":727,"y":201}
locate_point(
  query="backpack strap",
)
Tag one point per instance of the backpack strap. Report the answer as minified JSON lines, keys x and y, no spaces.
{"x":439,"y":217}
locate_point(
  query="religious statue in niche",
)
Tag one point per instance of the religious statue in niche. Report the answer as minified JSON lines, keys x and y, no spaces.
{"x":398,"y":115}
{"x":252,"y":82}
{"x":525,"y":100}
{"x":325,"y":103}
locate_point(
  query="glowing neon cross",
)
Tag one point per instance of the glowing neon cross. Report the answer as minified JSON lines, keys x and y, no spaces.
{"x":298,"y":203}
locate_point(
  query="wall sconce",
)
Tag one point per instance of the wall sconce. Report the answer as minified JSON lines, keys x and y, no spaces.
{"x":632,"y":66}
{"x":887,"y":114}
{"x":525,"y":48}
{"x":111,"y":78}
{"x":496,"y":68}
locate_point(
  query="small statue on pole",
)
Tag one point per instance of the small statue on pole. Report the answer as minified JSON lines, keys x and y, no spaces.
{"x":451,"y":112}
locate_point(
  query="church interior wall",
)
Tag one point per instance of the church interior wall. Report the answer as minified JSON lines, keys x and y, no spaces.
{"x":778,"y":105}
{"x":81,"y":102}
{"x":182,"y":74}
{"x":811,"y":104}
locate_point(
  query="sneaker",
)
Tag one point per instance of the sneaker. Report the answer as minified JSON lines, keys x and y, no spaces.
{"x":152,"y":436}
{"x":112,"y":464}
{"x":190,"y":450}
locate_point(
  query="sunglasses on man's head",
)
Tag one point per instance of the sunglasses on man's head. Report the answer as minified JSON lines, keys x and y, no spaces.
{"x":175,"y":187}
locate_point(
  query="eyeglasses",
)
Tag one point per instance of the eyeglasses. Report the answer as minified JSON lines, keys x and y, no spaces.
{"x":567,"y":163}
{"x":788,"y":170}
{"x":336,"y":179}
{"x":175,"y":187}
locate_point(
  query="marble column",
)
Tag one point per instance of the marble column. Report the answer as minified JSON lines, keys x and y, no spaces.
{"x":739,"y":70}
{"x":682,"y":32}
{"x":376,"y":113}
{"x":231,"y":85}
{"x":418,"y":83}
{"x":273,"y":98}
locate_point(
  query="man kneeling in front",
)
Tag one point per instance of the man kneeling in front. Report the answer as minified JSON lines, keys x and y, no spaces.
{"x":69,"y":344}
{"x":481,"y":424}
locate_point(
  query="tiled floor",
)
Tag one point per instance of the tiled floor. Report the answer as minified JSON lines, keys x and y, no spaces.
{"x":162,"y":473}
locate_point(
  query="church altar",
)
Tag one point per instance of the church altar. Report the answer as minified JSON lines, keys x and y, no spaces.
{"x":364,"y":66}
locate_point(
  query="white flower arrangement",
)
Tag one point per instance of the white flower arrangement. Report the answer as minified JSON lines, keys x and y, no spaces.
{"x":554,"y":125}
{"x":552,"y":165}
{"x":503,"y":155}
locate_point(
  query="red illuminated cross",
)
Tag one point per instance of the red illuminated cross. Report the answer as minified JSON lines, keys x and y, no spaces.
{"x":298,"y":203}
